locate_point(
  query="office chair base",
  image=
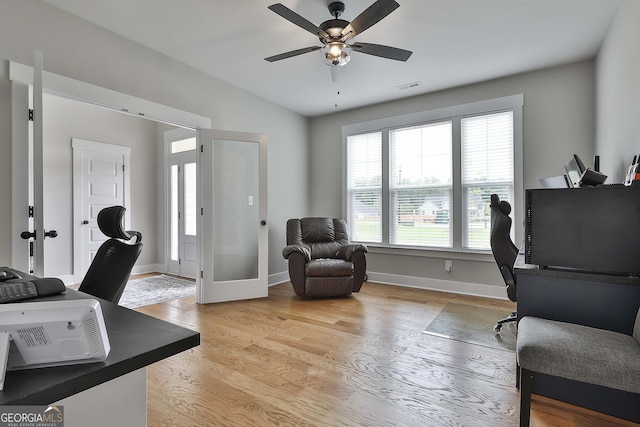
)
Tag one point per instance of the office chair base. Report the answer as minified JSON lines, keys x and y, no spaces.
{"x":513,"y":317}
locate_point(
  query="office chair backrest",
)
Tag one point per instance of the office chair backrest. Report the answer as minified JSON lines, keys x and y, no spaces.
{"x":504,"y":251}
{"x":111,"y":266}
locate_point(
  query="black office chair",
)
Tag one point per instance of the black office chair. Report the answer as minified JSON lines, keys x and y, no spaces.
{"x":504,"y":251}
{"x":111,"y":266}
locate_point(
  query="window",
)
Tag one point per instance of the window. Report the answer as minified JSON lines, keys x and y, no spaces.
{"x":424,"y":180}
{"x":182,"y":145}
{"x":420,"y":185}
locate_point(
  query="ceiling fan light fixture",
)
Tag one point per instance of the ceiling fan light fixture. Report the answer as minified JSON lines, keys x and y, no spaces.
{"x":336,"y":54}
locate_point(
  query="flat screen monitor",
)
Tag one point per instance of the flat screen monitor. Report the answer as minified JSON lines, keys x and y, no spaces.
{"x":51,"y":333}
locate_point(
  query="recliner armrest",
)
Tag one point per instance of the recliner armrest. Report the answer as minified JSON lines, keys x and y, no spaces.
{"x":288,"y":250}
{"x":346,"y":252}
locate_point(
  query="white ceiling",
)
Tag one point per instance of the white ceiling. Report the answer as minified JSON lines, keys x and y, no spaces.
{"x":454,"y":42}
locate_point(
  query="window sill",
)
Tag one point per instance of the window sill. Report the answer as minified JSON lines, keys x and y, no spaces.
{"x":471,"y":255}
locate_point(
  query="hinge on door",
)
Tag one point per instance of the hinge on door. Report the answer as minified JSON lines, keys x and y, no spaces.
{"x":201,"y":211}
{"x":30,"y":115}
{"x":201,"y":274}
{"x":30,"y":211}
{"x":123,"y":166}
{"x":202,"y":148}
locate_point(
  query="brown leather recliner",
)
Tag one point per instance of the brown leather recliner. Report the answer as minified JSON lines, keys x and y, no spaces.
{"x":322,"y":260}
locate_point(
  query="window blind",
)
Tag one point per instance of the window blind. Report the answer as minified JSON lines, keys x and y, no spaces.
{"x":487,"y":167}
{"x":364,"y":157}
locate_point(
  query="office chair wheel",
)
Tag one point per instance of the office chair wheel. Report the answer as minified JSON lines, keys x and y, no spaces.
{"x":497,"y":328}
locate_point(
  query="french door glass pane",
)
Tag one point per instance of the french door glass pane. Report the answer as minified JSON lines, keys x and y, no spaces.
{"x":190,"y":199}
{"x":174,"y":212}
{"x":236,"y":215}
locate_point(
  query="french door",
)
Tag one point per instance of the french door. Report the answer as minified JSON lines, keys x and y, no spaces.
{"x":233,"y":228}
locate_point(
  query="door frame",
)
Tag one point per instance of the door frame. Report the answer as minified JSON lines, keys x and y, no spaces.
{"x":170,"y":136}
{"x":82,"y":145}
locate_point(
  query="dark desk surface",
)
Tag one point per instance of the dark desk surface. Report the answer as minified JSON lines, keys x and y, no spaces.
{"x":137,"y":340}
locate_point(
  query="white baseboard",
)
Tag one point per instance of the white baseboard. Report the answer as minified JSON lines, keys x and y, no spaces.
{"x":148,"y":268}
{"x":276,"y":279}
{"x":465,"y":288}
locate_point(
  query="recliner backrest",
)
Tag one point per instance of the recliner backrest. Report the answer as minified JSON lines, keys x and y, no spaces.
{"x":322,"y":236}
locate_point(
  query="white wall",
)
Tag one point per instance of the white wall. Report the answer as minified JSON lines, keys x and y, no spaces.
{"x":65,"y":119}
{"x":558,"y":121}
{"x":618,"y":95}
{"x":80,"y":50}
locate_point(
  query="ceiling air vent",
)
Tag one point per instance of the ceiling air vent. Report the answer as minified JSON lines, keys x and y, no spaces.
{"x":409,"y":85}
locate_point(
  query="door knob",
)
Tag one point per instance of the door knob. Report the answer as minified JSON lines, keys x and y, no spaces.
{"x":28,"y":235}
{"x":32,"y":234}
{"x":263,"y":222}
{"x":85,"y":222}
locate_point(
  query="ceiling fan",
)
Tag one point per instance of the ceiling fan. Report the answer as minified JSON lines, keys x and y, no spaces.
{"x":334,"y":33}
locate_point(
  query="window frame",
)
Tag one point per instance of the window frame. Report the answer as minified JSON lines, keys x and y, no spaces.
{"x":454,"y":113}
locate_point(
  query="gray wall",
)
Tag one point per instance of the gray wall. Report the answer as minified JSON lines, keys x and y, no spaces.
{"x":618,"y":83}
{"x":558,"y":121}
{"x":80,"y":50}
{"x":65,"y":119}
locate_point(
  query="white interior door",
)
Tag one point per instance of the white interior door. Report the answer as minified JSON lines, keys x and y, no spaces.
{"x":37,"y":166}
{"x":100,"y":175}
{"x":233,"y":229}
{"x":27,"y":214}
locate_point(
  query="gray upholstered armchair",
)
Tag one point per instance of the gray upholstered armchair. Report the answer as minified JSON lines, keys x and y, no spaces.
{"x":322,"y":260}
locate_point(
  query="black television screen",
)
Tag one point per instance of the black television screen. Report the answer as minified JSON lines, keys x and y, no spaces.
{"x":594,"y":229}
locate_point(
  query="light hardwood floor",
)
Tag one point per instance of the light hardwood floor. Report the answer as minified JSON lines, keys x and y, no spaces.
{"x":356,"y":361}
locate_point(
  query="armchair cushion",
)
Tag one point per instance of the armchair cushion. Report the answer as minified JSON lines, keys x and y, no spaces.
{"x":328,"y":268}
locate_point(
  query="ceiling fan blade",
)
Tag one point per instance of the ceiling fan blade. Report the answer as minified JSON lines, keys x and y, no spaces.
{"x":372,"y":15}
{"x":382,"y":51}
{"x":301,"y":22}
{"x":291,"y":53}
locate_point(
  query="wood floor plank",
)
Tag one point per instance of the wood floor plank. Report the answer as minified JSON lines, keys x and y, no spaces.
{"x":362,"y":360}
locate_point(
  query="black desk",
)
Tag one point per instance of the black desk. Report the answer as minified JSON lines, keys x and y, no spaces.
{"x":137,"y":340}
{"x":596,"y":300}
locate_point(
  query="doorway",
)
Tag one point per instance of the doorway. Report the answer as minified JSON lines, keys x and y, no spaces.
{"x":181,"y":195}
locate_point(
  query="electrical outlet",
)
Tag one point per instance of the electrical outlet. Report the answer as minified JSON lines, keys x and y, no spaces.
{"x":448,"y":265}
